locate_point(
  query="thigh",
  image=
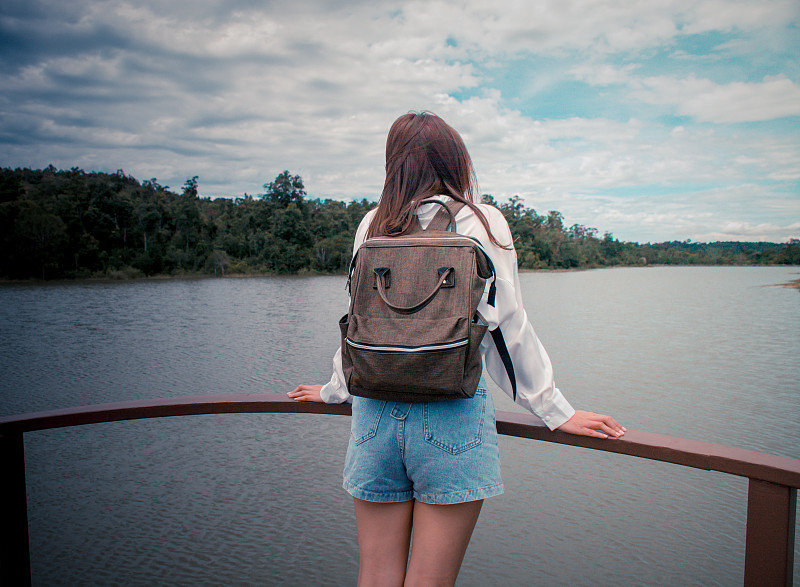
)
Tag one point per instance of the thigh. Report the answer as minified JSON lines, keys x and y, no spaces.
{"x":441,"y":537}
{"x":384,"y":535}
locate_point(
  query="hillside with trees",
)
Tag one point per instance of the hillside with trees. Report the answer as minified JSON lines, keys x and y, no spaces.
{"x":58,"y":224}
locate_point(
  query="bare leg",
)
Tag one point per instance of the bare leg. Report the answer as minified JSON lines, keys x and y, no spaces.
{"x":441,"y":537}
{"x":384,"y":534}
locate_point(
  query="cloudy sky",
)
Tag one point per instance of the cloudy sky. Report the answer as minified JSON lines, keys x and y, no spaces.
{"x":652,"y":120}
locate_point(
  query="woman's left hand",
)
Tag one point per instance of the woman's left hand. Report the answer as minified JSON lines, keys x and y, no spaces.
{"x":591,"y":424}
{"x":306,"y":393}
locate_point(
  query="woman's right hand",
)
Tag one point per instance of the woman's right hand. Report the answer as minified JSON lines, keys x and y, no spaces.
{"x":306,"y":393}
{"x":591,"y":424}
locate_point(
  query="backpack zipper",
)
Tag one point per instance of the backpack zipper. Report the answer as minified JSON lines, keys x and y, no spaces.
{"x":375,"y":348}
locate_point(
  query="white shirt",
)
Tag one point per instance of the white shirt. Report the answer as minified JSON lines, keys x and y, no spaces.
{"x":536,"y":389}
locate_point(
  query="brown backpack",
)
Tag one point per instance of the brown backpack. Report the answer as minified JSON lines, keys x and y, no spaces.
{"x":413,"y":331}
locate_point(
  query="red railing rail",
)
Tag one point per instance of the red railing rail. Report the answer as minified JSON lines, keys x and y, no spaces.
{"x":771,"y":502}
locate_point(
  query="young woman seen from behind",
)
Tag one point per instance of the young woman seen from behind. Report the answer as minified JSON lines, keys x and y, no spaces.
{"x":401,"y":483}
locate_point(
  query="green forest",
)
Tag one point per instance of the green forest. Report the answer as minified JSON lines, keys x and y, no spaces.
{"x":72,"y":224}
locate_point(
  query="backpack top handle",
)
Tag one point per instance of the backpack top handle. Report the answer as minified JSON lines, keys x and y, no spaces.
{"x":382,"y":274}
{"x":446,"y":217}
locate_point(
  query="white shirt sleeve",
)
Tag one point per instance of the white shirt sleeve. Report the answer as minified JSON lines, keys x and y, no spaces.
{"x":536,"y":389}
{"x":335,"y":391}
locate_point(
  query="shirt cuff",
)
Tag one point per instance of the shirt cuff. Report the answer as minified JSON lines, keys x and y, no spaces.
{"x":559,"y":412}
{"x":331,"y":393}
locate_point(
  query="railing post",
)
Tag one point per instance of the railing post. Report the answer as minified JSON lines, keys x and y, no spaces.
{"x":15,"y":559}
{"x":769,"y":546}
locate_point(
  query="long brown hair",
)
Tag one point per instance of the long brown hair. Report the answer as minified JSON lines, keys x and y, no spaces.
{"x":425,"y":157}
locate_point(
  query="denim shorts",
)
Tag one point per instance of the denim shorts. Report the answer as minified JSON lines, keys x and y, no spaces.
{"x":435,"y":452}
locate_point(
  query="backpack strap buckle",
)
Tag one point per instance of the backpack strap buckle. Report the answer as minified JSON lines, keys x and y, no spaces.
{"x":450,"y":278}
{"x":382,"y":278}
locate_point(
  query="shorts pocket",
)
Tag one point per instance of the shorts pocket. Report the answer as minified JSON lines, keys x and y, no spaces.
{"x":366,"y":417}
{"x":456,"y":425}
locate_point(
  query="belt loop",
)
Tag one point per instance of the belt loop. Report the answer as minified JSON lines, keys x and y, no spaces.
{"x":400,"y":410}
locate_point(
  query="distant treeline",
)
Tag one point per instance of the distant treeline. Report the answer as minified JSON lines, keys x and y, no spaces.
{"x":75,"y":224}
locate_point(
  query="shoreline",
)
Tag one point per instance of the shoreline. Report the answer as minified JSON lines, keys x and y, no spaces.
{"x":163,"y":277}
{"x":795,"y":283}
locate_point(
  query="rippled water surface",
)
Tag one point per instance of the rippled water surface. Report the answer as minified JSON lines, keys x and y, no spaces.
{"x":703,"y":353}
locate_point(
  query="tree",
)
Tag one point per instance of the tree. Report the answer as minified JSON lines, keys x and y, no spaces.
{"x":512,"y":210}
{"x":219,"y":260}
{"x":71,"y":223}
{"x":44,"y":232}
{"x":555,"y":220}
{"x":190,"y":187}
{"x":285,"y":189}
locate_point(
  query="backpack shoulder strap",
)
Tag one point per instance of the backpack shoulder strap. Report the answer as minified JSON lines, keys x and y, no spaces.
{"x":505,"y":356}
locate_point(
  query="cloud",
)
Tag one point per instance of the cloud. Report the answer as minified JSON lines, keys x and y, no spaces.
{"x":236,"y":92}
{"x":744,"y":231}
{"x":593,"y":28}
{"x":719,"y":214}
{"x":773,"y":98}
{"x":724,"y":15}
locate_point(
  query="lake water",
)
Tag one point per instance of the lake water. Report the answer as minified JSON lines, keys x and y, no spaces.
{"x":708,"y":353}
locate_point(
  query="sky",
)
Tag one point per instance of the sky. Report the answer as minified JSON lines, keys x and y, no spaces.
{"x":651,"y":120}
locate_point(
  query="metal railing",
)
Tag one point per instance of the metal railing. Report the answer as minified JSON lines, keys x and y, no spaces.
{"x":771,"y":501}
